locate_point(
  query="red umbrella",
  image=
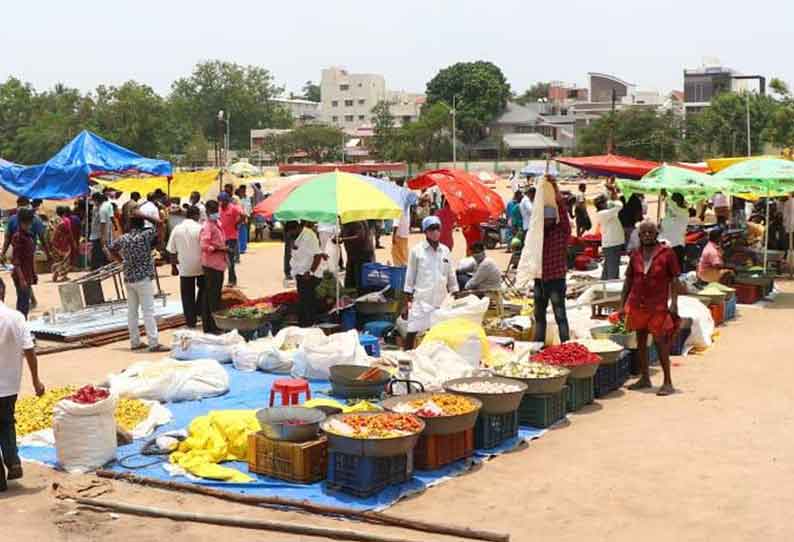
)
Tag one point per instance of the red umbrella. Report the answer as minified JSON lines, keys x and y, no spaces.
{"x":611,"y":164}
{"x":470,"y":200}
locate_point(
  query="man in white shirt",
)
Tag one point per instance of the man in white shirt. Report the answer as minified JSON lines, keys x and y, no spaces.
{"x":482,"y":272}
{"x":305,"y":265}
{"x":429,"y":278}
{"x":149,"y":209}
{"x":195,"y":201}
{"x":184,"y":248}
{"x":526,"y":207}
{"x":674,"y":224}
{"x":613,"y":238}
{"x":514,"y":182}
{"x":15,"y":342}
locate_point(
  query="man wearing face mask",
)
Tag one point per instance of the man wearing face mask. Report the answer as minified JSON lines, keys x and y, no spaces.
{"x":429,"y":278}
{"x":214,"y":254}
{"x":480,"y":272}
{"x":652,"y":283}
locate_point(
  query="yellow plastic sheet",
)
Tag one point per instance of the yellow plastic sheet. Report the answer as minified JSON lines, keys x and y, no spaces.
{"x":221,"y":435}
{"x":183,"y":183}
{"x":456,"y":332}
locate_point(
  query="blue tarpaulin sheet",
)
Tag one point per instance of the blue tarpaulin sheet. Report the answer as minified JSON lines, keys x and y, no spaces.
{"x":66,"y":174}
{"x":250,"y":391}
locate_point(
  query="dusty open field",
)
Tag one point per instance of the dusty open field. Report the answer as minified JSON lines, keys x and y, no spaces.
{"x":712,"y":462}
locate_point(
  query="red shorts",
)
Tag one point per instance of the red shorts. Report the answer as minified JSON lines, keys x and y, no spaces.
{"x":658,"y":323}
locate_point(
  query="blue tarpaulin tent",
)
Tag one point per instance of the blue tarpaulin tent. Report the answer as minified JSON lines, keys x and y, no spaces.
{"x":66,"y":174}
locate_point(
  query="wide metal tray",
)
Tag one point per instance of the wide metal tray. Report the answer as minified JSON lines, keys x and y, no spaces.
{"x":382,"y":447}
{"x":439,"y":425}
{"x":492,"y":403}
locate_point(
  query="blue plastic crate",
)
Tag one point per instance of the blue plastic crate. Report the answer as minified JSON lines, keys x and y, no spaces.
{"x":493,"y":429}
{"x":611,"y":377}
{"x":378,"y":276}
{"x":730,"y":308}
{"x":364,"y":476}
{"x":580,"y":393}
{"x":544,"y":410}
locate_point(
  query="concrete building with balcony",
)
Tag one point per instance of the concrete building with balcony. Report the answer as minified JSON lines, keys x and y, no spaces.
{"x":348,"y":99}
{"x":712,"y":78}
{"x":302,"y":111}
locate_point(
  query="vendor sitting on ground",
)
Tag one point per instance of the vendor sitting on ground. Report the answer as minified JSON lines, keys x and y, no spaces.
{"x":711,"y":267}
{"x":429,"y":278}
{"x":478,"y":272}
{"x":652,"y":282}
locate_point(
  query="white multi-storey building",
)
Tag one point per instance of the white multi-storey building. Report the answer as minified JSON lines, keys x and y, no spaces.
{"x":348,"y":99}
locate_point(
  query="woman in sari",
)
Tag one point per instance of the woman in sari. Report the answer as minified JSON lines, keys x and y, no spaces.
{"x":61,"y":244}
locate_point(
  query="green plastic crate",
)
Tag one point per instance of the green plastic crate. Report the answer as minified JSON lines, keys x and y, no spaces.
{"x":581,"y":392}
{"x":544,"y":410}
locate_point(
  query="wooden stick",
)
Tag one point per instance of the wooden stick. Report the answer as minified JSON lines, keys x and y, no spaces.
{"x":230,"y":521}
{"x":370,"y":517}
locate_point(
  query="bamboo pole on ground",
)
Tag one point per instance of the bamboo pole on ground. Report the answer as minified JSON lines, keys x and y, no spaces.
{"x":259,"y":524}
{"x":371,"y":517}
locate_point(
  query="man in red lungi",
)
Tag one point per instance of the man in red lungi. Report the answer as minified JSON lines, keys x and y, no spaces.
{"x":651,"y":283}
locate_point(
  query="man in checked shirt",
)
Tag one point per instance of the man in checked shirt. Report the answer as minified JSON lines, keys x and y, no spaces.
{"x":556,"y":232}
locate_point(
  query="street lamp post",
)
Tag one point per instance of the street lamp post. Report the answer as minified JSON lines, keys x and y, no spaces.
{"x":749,"y":146}
{"x":454,"y":135}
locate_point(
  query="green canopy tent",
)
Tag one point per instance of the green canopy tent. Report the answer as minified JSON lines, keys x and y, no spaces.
{"x":693,"y":185}
{"x":764,"y":177}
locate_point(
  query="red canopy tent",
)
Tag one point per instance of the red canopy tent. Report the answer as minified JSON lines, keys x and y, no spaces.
{"x":359,"y":168}
{"x":470,"y":200}
{"x":620,"y":166}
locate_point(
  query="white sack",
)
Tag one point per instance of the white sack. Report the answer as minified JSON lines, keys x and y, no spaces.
{"x":470,"y":308}
{"x":434,"y":363}
{"x":171,"y":380}
{"x":702,"y":322}
{"x":314,"y":359}
{"x":85,"y":435}
{"x":188,"y":344}
{"x":530,"y":266}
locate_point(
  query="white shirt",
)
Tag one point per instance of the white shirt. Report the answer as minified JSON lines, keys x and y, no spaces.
{"x":526,"y":211}
{"x":15,"y":337}
{"x":514,"y":183}
{"x":307,"y":246}
{"x":430,"y":275}
{"x":149,"y":209}
{"x":612,"y":233}
{"x":788,"y":215}
{"x":185,"y":243}
{"x":674,"y":224}
{"x":202,"y":211}
{"x":486,"y":277}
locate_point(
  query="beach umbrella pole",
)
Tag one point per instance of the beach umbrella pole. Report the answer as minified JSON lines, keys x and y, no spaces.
{"x":338,"y":247}
{"x":766,"y":233}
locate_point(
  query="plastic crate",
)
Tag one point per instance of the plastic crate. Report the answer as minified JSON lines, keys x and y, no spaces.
{"x":377,"y":275}
{"x":435,"y":451}
{"x":300,"y":462}
{"x":363,"y":476}
{"x":717,"y":313}
{"x":580,"y":393}
{"x":730,"y":308}
{"x":679,"y":340}
{"x":493,"y":429}
{"x":611,"y":377}
{"x":747,"y":294}
{"x":543,"y":410}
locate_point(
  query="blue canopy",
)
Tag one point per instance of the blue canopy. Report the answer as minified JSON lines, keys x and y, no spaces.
{"x":536,"y":169}
{"x":66,"y":174}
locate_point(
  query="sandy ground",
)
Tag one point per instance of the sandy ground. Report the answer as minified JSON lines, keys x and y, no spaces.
{"x":712,"y":462}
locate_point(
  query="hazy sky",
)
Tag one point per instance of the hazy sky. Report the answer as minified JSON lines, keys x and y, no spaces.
{"x":87,"y":42}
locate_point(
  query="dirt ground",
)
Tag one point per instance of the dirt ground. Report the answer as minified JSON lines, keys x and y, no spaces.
{"x":712,"y":462}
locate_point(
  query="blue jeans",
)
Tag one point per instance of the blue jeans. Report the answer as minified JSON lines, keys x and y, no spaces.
{"x":23,"y":298}
{"x":554,"y":291}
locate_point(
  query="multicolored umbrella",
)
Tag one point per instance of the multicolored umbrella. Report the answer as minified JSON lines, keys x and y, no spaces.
{"x":328,"y":197}
{"x":470,"y":200}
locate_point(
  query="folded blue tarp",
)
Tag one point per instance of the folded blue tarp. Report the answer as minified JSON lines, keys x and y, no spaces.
{"x":250,"y":391}
{"x":66,"y":174}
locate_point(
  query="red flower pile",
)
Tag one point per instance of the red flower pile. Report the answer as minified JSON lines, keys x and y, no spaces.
{"x":88,"y":395}
{"x":566,"y":355}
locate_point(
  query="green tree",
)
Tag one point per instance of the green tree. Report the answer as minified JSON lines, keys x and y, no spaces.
{"x":384,"y":132}
{"x":279,"y":146}
{"x":320,"y":143}
{"x":16,"y":110}
{"x":197,"y":149}
{"x":534,"y":93}
{"x":639,"y":133}
{"x":721,"y":129}
{"x":480,"y":90}
{"x":244,"y":93}
{"x":311,"y":92}
{"x":425,"y":140}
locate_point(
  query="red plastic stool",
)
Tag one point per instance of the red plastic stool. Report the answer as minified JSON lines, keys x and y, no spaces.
{"x":290,"y":390}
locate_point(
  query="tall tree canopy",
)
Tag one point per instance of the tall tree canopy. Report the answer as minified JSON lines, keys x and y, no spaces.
{"x":480,"y":90}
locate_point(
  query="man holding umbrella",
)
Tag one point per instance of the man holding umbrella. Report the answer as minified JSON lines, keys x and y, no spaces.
{"x":429,"y":278}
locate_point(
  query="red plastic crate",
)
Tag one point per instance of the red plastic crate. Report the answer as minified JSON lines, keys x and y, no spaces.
{"x":718,"y":313}
{"x":747,"y":294}
{"x":435,"y":451}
